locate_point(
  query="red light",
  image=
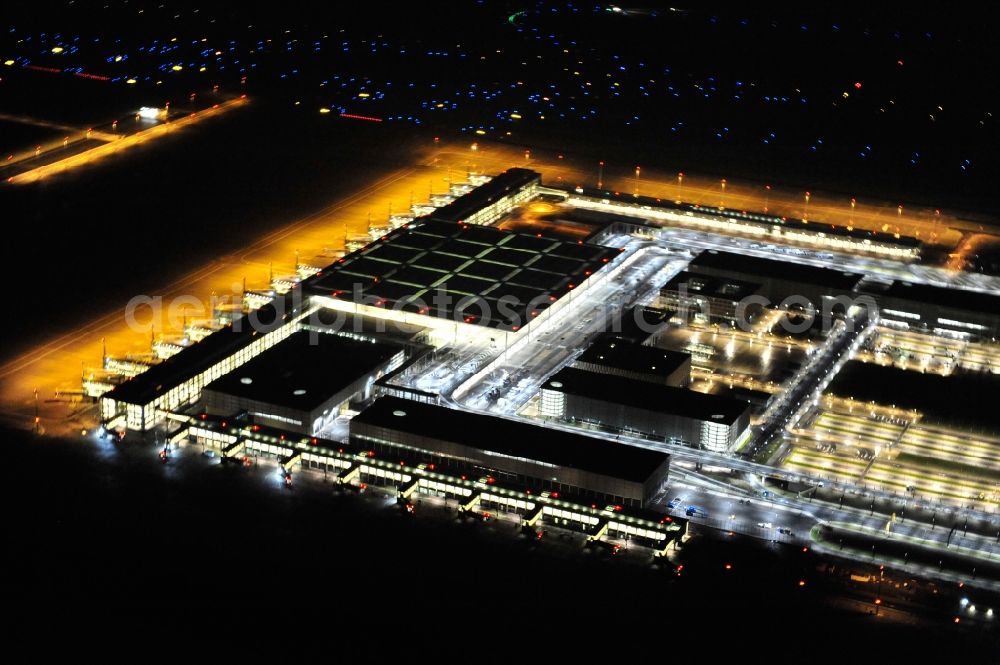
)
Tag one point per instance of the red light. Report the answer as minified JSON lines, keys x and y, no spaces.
{"x":367,"y":118}
{"x":555,"y":495}
{"x":314,"y":441}
{"x":729,"y":566}
{"x":371,"y":453}
{"x":857,"y":85}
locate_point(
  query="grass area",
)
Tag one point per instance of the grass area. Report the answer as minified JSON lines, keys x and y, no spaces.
{"x":945,"y":466}
{"x":767,"y":451}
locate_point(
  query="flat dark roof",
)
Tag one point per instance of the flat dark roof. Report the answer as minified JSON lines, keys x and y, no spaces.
{"x":711,"y":286}
{"x":198,"y":357}
{"x":305,"y":370}
{"x":741,"y":264}
{"x":648,"y":396}
{"x":962,"y":399}
{"x":618,"y":353}
{"x":972,"y":301}
{"x":482,"y":196}
{"x":432,"y":256}
{"x":638,"y":323}
{"x":513,"y":438}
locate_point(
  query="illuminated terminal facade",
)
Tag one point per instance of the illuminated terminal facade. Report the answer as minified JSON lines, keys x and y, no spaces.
{"x":952,"y":312}
{"x":768,"y":228}
{"x":176,"y":383}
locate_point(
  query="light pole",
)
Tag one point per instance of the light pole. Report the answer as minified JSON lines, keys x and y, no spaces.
{"x":767,"y":196}
{"x":600,"y":174}
{"x":680,"y":183}
{"x":637,"y":171}
{"x":722,"y":202}
{"x":805,"y":214}
{"x":878,"y":593}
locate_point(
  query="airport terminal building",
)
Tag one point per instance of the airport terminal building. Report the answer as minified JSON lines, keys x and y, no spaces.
{"x":461,"y":281}
{"x":710,"y":298}
{"x":493,"y":284}
{"x":617,"y":356}
{"x":778,"y":280}
{"x":303,"y":383}
{"x":511,"y":450}
{"x":940,"y":310}
{"x":620,"y":404}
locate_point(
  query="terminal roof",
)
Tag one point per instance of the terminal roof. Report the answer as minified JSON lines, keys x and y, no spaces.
{"x":197,"y":358}
{"x":618,"y":353}
{"x":482,"y":196}
{"x":305,"y":370}
{"x":476,"y":274}
{"x":710,"y":286}
{"x":514,"y":438}
{"x":742,"y":264}
{"x":972,"y":301}
{"x":667,"y":400}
